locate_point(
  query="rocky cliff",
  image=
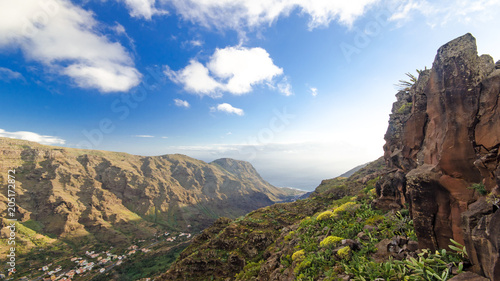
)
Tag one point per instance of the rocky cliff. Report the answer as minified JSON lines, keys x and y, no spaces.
{"x":84,"y":195}
{"x":442,"y":145}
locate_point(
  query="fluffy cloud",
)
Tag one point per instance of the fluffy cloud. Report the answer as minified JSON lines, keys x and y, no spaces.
{"x":143,"y":136}
{"x":232,"y":69}
{"x":46,"y":32}
{"x":7,"y":74}
{"x":242,"y":67}
{"x":195,"y":78}
{"x":143,"y":8}
{"x":252,"y":13}
{"x":181,"y":103}
{"x":314,"y":91}
{"x":226,"y":107}
{"x":30,"y":136}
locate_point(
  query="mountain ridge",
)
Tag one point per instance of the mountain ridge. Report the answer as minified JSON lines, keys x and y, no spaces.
{"x":77,"y":194}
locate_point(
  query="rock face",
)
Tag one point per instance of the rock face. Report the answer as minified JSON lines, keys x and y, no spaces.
{"x":443,"y":137}
{"x":114,"y":197}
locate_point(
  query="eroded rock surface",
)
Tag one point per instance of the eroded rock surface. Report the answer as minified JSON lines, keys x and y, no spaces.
{"x":443,"y":137}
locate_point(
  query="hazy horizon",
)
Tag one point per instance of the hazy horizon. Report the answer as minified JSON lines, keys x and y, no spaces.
{"x":301,"y":89}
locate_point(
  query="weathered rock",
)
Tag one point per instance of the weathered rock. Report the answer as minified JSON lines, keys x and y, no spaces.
{"x":391,"y":190}
{"x":353,"y":244}
{"x":449,"y":140}
{"x":236,"y":262}
{"x":470,"y":220}
{"x":344,"y":277}
{"x":401,"y":240}
{"x":363,"y":236}
{"x":369,"y":227}
{"x":392,"y":247}
{"x":482,"y":224}
{"x":468,"y":276}
{"x":412,"y":246}
{"x":382,"y":252}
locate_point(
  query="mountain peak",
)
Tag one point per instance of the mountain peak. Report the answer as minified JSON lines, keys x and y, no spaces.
{"x":237,"y":167}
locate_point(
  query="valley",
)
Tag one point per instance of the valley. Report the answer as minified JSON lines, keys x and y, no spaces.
{"x":70,"y":201}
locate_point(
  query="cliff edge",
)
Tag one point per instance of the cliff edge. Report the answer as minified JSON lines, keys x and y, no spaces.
{"x":442,"y":145}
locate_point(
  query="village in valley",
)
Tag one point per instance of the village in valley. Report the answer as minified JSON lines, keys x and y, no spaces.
{"x":93,"y":263}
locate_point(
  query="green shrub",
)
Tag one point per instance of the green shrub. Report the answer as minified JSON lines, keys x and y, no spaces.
{"x":299,"y":255}
{"x":250,"y":270}
{"x":344,"y":207}
{"x":479,"y":187}
{"x":325,"y":215}
{"x":374,"y":220}
{"x":289,"y":236}
{"x":330,"y":241}
{"x":344,"y":253}
{"x":302,"y":265}
{"x":405,"y":107}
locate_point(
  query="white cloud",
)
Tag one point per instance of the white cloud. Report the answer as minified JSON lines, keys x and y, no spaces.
{"x":181,"y":103}
{"x":143,"y":136}
{"x":232,"y":69}
{"x":195,"y":78}
{"x":445,"y":11}
{"x":196,"y":43}
{"x":46,"y":32}
{"x":226,"y":107}
{"x":285,"y":88}
{"x":237,"y":14}
{"x":143,"y":9}
{"x":403,"y":11}
{"x":30,"y":136}
{"x":314,"y":91}
{"x":242,"y":67}
{"x":251,"y":14}
{"x":120,"y":30}
{"x":7,"y":74}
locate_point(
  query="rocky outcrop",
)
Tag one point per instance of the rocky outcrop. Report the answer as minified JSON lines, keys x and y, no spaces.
{"x":115,"y":197}
{"x":443,"y":137}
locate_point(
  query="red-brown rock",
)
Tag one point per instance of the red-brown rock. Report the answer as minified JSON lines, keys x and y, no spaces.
{"x":468,"y":276}
{"x":447,"y":142}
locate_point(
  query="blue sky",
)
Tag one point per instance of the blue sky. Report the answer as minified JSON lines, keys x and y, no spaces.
{"x":301,"y":89}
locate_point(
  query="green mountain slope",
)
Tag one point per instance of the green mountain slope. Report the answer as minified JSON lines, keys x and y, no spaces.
{"x":227,"y":247}
{"x":86,"y":197}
